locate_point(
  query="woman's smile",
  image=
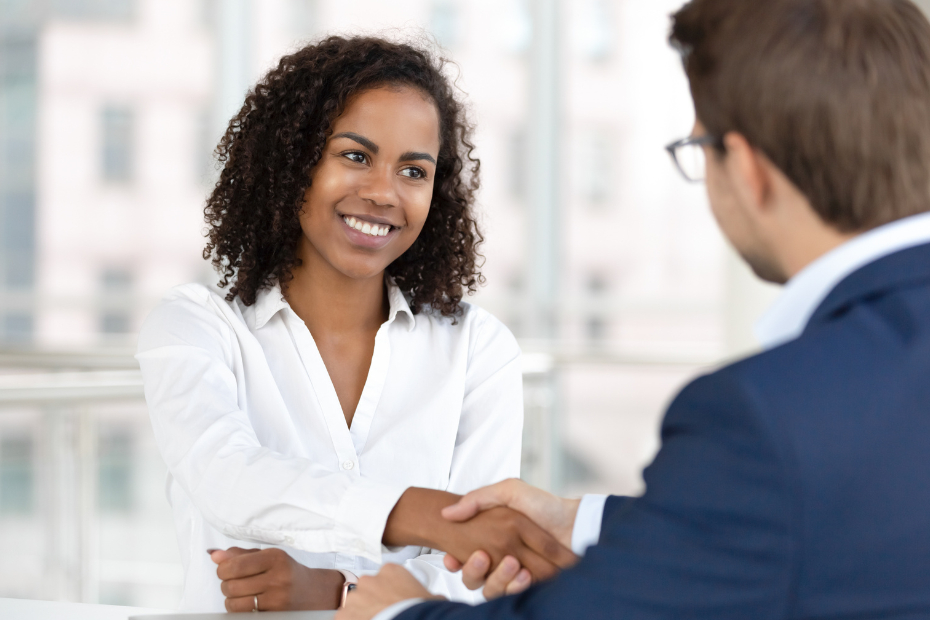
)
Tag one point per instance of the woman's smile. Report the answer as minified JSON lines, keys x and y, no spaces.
{"x":366,"y":232}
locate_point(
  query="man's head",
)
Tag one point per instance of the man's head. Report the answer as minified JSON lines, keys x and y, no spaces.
{"x":819,"y":105}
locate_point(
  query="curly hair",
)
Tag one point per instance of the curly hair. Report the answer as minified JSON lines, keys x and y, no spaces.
{"x":272,"y":145}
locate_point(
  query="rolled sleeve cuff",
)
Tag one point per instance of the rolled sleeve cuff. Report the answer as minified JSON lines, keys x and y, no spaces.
{"x":389,"y":613}
{"x":587,"y":529}
{"x":362,"y":516}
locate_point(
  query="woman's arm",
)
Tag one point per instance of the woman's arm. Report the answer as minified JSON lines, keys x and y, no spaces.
{"x":487,"y":450}
{"x":188,"y":352}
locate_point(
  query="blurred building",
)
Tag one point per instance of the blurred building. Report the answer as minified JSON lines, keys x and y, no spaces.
{"x":600,"y":258}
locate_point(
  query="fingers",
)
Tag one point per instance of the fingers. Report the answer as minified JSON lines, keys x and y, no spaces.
{"x":451,"y":564}
{"x":543,"y":543}
{"x":500,"y":494}
{"x":496,"y":583}
{"x":221,"y":555}
{"x":476,"y":569}
{"x":251,"y":562}
{"x":245,"y":603}
{"x":540,"y":568}
{"x":520,"y":583}
{"x":249,"y":586}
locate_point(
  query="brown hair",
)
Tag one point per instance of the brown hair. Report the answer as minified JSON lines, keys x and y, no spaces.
{"x":276,"y":139}
{"x":836,"y":93}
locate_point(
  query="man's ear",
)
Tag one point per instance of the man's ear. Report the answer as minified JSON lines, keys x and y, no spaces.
{"x":748,"y":170}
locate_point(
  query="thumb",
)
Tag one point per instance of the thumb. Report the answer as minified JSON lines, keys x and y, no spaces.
{"x":220,"y":555}
{"x":480,"y":499}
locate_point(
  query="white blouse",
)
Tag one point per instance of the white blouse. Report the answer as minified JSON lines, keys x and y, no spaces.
{"x":257,"y":446}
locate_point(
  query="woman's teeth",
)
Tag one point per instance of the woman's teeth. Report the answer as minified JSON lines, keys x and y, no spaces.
{"x":374,"y":230}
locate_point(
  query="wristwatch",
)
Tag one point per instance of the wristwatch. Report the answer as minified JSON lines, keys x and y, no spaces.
{"x":348,"y":586}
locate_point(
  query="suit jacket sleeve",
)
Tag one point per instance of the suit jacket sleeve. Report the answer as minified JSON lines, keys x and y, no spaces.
{"x":711,"y":539}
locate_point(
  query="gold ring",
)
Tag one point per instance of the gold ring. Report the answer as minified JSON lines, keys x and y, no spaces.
{"x":255,"y":598}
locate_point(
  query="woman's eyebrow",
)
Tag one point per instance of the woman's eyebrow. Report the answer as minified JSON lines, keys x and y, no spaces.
{"x":412,"y":155}
{"x":351,"y":135}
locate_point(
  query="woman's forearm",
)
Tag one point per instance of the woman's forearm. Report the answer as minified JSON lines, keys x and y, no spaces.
{"x":417,"y":520}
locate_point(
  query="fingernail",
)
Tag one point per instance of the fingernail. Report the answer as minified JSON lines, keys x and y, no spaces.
{"x":523,"y":577}
{"x":210,"y":551}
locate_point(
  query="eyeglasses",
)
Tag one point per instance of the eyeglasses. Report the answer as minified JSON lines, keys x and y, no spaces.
{"x":689,"y":158}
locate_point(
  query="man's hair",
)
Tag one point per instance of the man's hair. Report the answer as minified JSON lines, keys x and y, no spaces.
{"x":836,"y":93}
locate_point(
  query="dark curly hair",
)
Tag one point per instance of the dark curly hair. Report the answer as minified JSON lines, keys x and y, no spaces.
{"x":270,"y":149}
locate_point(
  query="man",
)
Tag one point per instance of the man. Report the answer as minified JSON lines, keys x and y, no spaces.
{"x":796,"y":483}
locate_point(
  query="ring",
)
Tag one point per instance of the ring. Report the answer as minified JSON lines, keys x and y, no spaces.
{"x":255,"y":598}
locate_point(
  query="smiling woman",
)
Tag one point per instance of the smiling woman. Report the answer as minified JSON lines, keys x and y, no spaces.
{"x":340,"y":393}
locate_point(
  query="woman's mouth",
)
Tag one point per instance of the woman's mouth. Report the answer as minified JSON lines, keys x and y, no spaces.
{"x":367,"y":228}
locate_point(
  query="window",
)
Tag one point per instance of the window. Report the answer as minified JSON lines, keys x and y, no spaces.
{"x":591,"y":32}
{"x":117,"y":133}
{"x":596,"y":325}
{"x":16,"y":476}
{"x":518,"y":164}
{"x":18,"y":97}
{"x":594,"y":172}
{"x":115,"y":472}
{"x":514,"y":25}
{"x":444,"y":22}
{"x":303,"y":17}
{"x":118,"y":10}
{"x":116,"y":299}
{"x":16,"y":327}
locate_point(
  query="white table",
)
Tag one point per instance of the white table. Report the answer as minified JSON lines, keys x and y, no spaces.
{"x":23,"y":609}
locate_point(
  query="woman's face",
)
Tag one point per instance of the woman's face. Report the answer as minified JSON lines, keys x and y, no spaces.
{"x":371,"y":190}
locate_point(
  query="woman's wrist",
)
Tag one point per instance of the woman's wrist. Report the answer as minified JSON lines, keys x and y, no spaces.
{"x":321,"y":590}
{"x":417,"y":519}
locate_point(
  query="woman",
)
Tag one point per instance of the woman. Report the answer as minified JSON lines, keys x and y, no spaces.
{"x":321,"y":404}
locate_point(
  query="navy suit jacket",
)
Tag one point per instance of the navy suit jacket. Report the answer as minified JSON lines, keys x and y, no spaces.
{"x":793,"y":484}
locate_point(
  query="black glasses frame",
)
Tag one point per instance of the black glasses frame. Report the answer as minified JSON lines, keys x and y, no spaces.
{"x":674,"y":147}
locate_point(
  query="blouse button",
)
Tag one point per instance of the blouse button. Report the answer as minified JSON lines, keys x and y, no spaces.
{"x":348,"y":465}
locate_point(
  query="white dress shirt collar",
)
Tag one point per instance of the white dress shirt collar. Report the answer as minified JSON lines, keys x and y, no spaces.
{"x":788,"y":316}
{"x":269,"y":301}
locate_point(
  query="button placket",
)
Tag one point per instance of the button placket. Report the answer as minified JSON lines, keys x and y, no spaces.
{"x":325,"y":392}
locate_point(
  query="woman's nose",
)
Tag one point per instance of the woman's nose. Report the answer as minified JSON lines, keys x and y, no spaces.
{"x":379,"y":188}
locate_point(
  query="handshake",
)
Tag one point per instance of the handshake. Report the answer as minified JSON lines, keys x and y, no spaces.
{"x":502,"y":537}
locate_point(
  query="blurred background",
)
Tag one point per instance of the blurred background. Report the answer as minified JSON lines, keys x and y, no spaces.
{"x":603,"y":261}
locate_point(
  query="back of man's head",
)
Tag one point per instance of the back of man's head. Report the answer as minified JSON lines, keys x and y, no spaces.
{"x":836,"y":93}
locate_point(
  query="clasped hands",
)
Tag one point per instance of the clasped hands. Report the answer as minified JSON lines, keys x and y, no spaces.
{"x":502,"y":537}
{"x":540,"y":521}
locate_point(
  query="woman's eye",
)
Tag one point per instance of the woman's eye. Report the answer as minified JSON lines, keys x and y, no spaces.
{"x":414,"y":173}
{"x":355,"y":156}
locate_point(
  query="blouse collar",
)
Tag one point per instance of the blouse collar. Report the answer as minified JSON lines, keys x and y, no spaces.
{"x":269,"y":301}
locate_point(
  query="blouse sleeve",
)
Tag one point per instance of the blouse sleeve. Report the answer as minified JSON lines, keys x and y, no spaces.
{"x":489,"y":440}
{"x":187,"y":352}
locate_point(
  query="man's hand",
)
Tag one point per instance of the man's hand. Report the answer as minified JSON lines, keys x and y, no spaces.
{"x":499,"y":531}
{"x":508,"y":578}
{"x":556,"y":515}
{"x":374,"y":594}
{"x":280,"y":582}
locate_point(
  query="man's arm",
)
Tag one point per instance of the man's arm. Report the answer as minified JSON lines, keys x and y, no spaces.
{"x":712,"y":538}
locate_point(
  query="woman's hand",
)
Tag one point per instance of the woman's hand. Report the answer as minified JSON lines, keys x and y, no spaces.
{"x":280,"y":582}
{"x":499,"y":531}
